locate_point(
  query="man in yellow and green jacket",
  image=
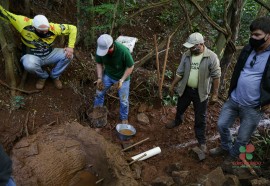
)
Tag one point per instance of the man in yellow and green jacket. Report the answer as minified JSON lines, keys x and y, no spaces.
{"x":37,"y":36}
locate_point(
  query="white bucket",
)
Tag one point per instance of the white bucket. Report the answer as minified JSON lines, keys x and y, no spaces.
{"x":148,"y":154}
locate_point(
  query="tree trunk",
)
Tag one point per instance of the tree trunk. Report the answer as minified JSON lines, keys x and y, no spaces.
{"x":236,"y":9}
{"x":221,"y":39}
{"x":9,"y":52}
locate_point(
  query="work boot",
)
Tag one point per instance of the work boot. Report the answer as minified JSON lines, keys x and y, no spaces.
{"x":218,"y":151}
{"x":172,"y":124}
{"x":57,"y":83}
{"x":125,"y":121}
{"x":227,"y":165}
{"x":40,"y":84}
{"x":203,"y":147}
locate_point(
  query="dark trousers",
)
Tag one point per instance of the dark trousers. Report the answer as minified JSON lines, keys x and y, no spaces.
{"x":200,"y":108}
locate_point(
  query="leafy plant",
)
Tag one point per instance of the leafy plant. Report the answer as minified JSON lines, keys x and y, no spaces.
{"x":168,"y":17}
{"x":17,"y":102}
{"x":168,"y":100}
{"x":168,"y":74}
{"x":261,"y":141}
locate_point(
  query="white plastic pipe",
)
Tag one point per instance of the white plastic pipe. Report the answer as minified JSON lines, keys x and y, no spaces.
{"x":149,"y":153}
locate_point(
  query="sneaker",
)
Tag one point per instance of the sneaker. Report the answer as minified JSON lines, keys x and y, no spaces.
{"x":203,"y":147}
{"x":40,"y":84}
{"x":218,"y":151}
{"x":171,"y":125}
{"x":57,"y":83}
{"x":125,"y":121}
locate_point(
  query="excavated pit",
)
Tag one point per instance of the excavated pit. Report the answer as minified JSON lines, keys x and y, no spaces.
{"x":69,"y":154}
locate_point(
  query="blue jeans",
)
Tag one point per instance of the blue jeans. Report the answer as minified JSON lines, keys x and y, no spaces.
{"x":123,"y":93}
{"x":249,"y":120}
{"x":33,"y":64}
{"x":11,"y":182}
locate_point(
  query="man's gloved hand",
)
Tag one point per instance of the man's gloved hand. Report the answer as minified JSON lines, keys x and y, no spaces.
{"x":171,"y":91}
{"x":213,"y":99}
{"x":120,"y":83}
{"x":117,"y":85}
{"x":100,"y":85}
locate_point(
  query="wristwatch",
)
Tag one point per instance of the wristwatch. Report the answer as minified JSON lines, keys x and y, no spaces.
{"x":121,"y":80}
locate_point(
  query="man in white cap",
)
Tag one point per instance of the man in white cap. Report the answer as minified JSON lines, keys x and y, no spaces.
{"x":198,"y":70}
{"x":37,"y":36}
{"x":114,"y":65}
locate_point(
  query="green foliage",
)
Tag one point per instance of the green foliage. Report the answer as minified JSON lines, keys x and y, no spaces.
{"x":105,"y":13}
{"x":17,"y":102}
{"x":168,"y":74}
{"x":250,"y":11}
{"x":169,"y":17}
{"x":261,"y":141}
{"x":168,"y":100}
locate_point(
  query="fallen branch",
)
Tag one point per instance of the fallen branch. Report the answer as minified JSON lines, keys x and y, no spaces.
{"x":157,"y":59}
{"x":25,"y":124}
{"x":138,"y":159}
{"x":164,"y":67}
{"x":251,"y":170}
{"x":24,"y":91}
{"x":52,"y":123}
{"x":97,"y":182}
{"x":263,"y":4}
{"x":135,"y":144}
{"x":154,"y":5}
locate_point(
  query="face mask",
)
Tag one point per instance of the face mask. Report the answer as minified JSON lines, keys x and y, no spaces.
{"x":256,"y":43}
{"x":110,"y":51}
{"x":41,"y":35}
{"x":195,"y":50}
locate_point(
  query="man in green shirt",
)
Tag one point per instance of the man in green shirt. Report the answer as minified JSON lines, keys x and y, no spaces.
{"x":198,"y":71}
{"x":114,"y":65}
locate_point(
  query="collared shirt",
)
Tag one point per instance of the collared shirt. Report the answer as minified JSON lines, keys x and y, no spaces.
{"x":116,"y":63}
{"x":209,"y":69}
{"x":32,"y":43}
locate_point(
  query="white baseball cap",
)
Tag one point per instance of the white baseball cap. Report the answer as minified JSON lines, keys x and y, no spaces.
{"x":194,"y":39}
{"x":40,"y":20}
{"x":103,"y":44}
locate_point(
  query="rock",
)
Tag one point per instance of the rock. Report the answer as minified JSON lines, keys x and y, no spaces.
{"x":142,"y":108}
{"x":181,"y":174}
{"x":149,"y":173}
{"x":260,"y":182}
{"x":28,"y":150}
{"x":137,"y":169}
{"x":173,"y":167}
{"x":179,"y":177}
{"x":143,"y":118}
{"x":215,"y":178}
{"x":56,"y":157}
{"x":231,"y":180}
{"x":198,"y":153}
{"x":163,"y":181}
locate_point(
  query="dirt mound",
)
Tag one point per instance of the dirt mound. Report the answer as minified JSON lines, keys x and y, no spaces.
{"x":69,"y":154}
